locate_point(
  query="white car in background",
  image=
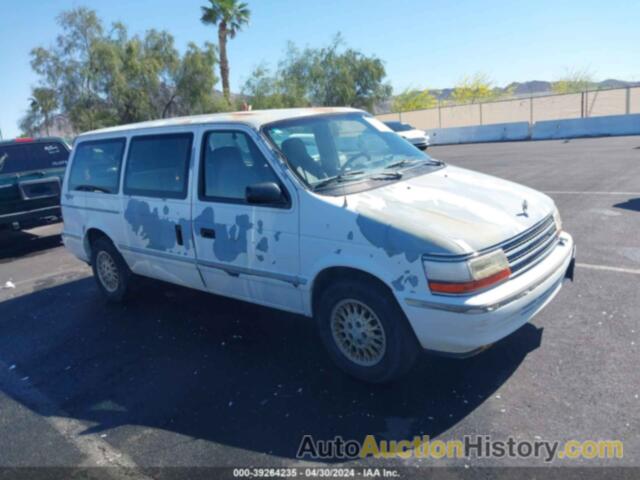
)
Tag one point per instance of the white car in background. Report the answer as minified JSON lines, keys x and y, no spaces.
{"x":416,"y":137}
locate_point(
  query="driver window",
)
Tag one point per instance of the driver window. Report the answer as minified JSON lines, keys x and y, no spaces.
{"x":231,"y":162}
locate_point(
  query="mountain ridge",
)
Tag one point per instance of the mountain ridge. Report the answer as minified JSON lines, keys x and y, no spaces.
{"x":539,"y":87}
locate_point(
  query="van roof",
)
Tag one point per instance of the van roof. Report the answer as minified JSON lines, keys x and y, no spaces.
{"x":252,"y":118}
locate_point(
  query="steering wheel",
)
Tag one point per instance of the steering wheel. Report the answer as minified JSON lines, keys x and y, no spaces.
{"x":348,"y":164}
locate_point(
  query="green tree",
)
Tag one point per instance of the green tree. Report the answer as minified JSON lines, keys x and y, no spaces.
{"x":42,"y":104}
{"x":193,"y":82}
{"x":329,"y":76}
{"x":574,"y":81}
{"x":70,"y":67}
{"x":413,"y":99}
{"x":30,"y":123}
{"x":101,"y":79}
{"x":264,"y":90}
{"x":475,"y":88}
{"x":229,"y":16}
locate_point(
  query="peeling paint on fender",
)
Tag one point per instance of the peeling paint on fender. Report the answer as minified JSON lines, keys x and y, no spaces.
{"x":390,"y":239}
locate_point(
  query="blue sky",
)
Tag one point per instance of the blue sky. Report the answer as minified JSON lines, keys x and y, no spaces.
{"x":423,"y":43}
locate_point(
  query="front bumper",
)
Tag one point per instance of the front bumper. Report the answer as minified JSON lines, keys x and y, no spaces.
{"x":421,"y":143}
{"x":460,"y":326}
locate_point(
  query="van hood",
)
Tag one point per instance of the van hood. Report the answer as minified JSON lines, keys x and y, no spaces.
{"x":449,"y":211}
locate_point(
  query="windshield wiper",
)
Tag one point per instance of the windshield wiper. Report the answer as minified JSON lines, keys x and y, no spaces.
{"x":408,"y":161}
{"x":387,"y":176}
{"x":401,"y":163}
{"x":91,"y":188}
{"x":337,"y":179}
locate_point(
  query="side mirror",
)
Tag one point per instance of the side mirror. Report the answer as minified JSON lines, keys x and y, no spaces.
{"x":265,"y":193}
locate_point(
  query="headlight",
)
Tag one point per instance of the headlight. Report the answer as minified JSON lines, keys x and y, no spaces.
{"x":457,"y":278}
{"x":558,"y":220}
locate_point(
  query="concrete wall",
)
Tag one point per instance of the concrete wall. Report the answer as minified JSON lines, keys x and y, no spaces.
{"x":507,"y":111}
{"x":607,"y":102}
{"x":596,"y":113}
{"x":634,"y":102}
{"x":535,"y":109}
{"x":423,"y":119}
{"x":557,"y":107}
{"x":460,"y":115}
{"x":544,"y":130}
{"x":587,"y":127}
{"x":388,"y":117}
{"x":481,"y":133}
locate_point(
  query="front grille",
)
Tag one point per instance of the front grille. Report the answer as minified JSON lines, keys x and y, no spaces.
{"x":530,"y":247}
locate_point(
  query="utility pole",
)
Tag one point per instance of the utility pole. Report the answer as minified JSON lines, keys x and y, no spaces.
{"x":627,"y":101}
{"x":531,"y":110}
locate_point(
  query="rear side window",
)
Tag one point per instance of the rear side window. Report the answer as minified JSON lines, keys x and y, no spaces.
{"x":158,"y":165}
{"x":32,"y":156}
{"x":96,"y":166}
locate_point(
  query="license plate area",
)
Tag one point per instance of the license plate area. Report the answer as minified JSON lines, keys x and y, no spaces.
{"x":34,"y":189}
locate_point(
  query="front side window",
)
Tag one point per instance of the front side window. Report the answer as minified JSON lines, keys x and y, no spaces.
{"x":96,"y":166}
{"x":158,"y":165}
{"x":231,"y":162}
{"x":32,"y":156}
{"x":342,"y":147}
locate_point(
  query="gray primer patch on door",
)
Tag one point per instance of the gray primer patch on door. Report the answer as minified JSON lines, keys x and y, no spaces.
{"x":263,"y":244}
{"x":230,"y":241}
{"x":159,"y":232}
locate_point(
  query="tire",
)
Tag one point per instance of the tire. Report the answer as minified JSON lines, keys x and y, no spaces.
{"x":352,"y":299}
{"x":111,"y":272}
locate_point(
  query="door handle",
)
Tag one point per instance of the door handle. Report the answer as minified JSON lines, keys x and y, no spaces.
{"x":179,"y":238}
{"x":207,"y":233}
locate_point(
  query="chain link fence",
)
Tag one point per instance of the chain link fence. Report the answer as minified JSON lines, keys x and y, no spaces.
{"x":594,"y":103}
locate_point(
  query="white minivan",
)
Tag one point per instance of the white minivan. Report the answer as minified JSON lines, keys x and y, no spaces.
{"x":324,"y":212}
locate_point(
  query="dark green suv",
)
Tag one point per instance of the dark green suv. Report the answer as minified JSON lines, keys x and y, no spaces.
{"x":31,"y":172}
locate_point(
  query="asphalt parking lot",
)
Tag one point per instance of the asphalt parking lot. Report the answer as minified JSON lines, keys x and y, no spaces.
{"x":182,"y":378}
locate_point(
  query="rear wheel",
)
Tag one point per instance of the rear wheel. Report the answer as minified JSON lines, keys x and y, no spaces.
{"x":364,"y":330}
{"x":110,"y":270}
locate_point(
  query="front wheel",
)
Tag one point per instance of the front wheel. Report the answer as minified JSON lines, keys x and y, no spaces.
{"x":110,"y":270}
{"x":365,"y":332}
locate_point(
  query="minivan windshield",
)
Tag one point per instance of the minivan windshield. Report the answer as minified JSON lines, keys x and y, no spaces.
{"x":345,"y":148}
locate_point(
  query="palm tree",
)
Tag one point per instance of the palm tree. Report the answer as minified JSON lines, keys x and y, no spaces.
{"x":43,"y":103}
{"x":229,"y":16}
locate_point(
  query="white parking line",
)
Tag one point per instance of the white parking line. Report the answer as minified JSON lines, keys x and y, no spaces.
{"x":608,"y":268}
{"x":98,"y":452}
{"x":83,"y":270}
{"x":566,"y":192}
